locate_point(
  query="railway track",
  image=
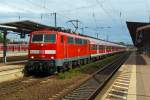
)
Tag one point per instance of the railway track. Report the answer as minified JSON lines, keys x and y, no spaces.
{"x":89,"y":89}
{"x":20,"y":84}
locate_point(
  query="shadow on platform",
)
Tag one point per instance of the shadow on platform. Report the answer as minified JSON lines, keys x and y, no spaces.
{"x":136,"y":59}
{"x":140,"y":60}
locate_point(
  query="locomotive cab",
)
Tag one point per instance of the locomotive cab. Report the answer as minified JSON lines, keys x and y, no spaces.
{"x":42,"y":52}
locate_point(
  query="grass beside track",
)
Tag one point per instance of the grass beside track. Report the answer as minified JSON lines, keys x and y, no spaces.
{"x":86,"y":69}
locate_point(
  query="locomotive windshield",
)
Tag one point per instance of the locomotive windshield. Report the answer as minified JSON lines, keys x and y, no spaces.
{"x":51,"y":38}
{"x":37,"y":38}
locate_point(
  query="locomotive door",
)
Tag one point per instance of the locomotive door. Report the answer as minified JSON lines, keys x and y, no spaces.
{"x":65,"y":47}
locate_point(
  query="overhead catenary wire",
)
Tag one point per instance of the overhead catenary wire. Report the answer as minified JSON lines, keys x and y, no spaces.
{"x":19,"y":15}
{"x":18,"y":8}
{"x":106,"y":12}
{"x":119,"y":16}
{"x":47,"y":9}
{"x":147,"y":9}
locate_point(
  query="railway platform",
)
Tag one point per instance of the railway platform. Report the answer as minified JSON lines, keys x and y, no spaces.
{"x":131,"y":82}
{"x":11,"y":71}
{"x":9,"y":54}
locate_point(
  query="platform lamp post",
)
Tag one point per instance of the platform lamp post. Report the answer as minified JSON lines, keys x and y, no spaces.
{"x":55,"y":18}
{"x":4,"y":46}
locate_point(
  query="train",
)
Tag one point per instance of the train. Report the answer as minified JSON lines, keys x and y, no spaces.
{"x":52,"y":51}
{"x":15,"y":47}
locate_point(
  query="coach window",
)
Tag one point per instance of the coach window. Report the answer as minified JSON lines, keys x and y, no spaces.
{"x":95,"y":47}
{"x":70,"y":40}
{"x":84,"y":42}
{"x":100,"y":47}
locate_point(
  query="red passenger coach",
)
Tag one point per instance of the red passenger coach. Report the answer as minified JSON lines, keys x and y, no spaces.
{"x":51,"y":51}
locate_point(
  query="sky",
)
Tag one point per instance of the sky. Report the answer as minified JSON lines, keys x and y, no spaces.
{"x":107,"y":18}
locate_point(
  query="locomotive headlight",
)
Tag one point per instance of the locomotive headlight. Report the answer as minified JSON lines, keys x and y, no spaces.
{"x":52,"y":57}
{"x":42,"y":44}
{"x":32,"y":57}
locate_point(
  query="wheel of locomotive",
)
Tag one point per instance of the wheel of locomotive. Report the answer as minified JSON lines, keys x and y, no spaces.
{"x":85,"y":61}
{"x":50,"y":69}
{"x":88,"y":60}
{"x":66,"y":67}
{"x":26,"y":70}
{"x":70,"y":65}
{"x":82,"y":62}
{"x":74,"y":64}
{"x":78,"y":63}
{"x":60,"y":68}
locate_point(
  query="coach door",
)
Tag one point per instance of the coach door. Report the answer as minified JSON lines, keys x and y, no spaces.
{"x":97,"y":49}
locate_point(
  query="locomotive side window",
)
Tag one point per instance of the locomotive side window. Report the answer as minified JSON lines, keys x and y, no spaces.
{"x":62,"y":39}
{"x":70,"y":40}
{"x":101,"y":47}
{"x":50,"y":38}
{"x":78,"y":41}
{"x":37,"y":38}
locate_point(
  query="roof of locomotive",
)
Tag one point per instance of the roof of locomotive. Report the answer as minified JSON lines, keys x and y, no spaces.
{"x":92,"y":40}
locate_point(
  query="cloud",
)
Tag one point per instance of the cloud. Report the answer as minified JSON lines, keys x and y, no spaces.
{"x":106,"y":15}
{"x":7,"y":9}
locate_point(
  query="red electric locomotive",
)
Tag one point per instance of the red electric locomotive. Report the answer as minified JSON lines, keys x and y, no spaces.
{"x":52,"y":51}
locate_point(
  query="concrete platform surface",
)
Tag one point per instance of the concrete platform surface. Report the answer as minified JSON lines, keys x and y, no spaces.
{"x":9,"y":54}
{"x":131,"y":82}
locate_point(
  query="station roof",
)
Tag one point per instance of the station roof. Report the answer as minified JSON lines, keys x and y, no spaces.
{"x":133,"y":26}
{"x":23,"y":26}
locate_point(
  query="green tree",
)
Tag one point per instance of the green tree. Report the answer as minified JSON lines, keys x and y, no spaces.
{"x":2,"y":39}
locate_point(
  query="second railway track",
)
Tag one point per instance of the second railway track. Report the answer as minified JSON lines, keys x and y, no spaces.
{"x":89,"y":89}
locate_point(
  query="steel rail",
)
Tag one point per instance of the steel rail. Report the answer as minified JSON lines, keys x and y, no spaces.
{"x":89,"y":89}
